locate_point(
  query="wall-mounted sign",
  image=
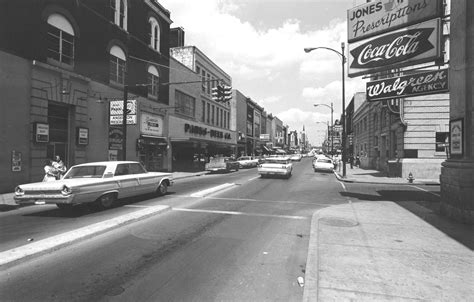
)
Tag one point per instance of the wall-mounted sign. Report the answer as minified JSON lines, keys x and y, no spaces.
{"x":416,"y":44}
{"x":16,"y":161}
{"x":151,"y":124}
{"x":265,"y":137}
{"x":456,"y":137}
{"x":188,"y":128}
{"x":423,"y":83}
{"x":82,"y":135}
{"x":41,"y":133}
{"x":116,"y":112}
{"x":115,"y":138}
{"x":379,"y":16}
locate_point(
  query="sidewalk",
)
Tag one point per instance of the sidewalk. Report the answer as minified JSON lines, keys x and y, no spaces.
{"x":380,"y":251}
{"x":360,"y":175}
{"x":6,"y":199}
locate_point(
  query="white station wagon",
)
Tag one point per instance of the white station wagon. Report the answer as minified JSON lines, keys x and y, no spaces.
{"x":101,"y":183}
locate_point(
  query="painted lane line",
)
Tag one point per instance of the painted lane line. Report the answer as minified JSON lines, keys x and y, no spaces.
{"x":259,"y":200}
{"x":424,"y":190}
{"x":41,"y":247}
{"x":212,"y":190}
{"x":238,"y":213}
{"x":343,"y":186}
{"x":253,"y":178}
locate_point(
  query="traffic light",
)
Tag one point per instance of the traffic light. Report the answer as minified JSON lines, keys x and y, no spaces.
{"x":216,"y":93}
{"x":227,"y":93}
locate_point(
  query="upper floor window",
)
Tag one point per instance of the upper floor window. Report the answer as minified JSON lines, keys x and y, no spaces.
{"x":153,"y":81}
{"x":117,"y":65}
{"x":118,"y":12}
{"x":186,"y":104}
{"x":60,"y":39}
{"x":154,"y":34}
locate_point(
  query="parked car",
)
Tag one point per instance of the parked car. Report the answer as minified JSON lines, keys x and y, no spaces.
{"x":276,"y":166}
{"x":323,"y":164}
{"x":247,"y":162}
{"x":222,"y":164}
{"x":296,"y":157}
{"x":100,"y":183}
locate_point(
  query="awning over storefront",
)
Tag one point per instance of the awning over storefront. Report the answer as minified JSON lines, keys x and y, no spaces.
{"x":279,"y":151}
{"x":153,"y":140}
{"x":267,"y":150}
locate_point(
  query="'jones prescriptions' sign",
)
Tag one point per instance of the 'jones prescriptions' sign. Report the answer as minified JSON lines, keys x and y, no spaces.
{"x":430,"y":82}
{"x":412,"y":45}
{"x":379,"y":16}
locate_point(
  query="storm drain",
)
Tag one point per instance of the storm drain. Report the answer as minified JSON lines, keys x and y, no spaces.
{"x":338,"y":222}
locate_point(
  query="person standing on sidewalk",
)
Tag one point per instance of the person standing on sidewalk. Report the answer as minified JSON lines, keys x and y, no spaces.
{"x":49,"y":171}
{"x":59,"y":166}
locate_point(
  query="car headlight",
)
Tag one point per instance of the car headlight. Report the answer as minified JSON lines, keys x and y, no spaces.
{"x":66,"y":190}
{"x":19,"y":191}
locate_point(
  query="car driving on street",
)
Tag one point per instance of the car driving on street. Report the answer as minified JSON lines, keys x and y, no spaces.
{"x":247,"y":162}
{"x":276,"y":166}
{"x":323,"y":164}
{"x":222,"y":164}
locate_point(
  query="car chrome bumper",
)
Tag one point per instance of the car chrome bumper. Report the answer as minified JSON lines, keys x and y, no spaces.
{"x":51,"y":199}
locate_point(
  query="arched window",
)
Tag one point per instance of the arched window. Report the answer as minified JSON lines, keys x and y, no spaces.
{"x":117,"y":65}
{"x":60,"y":39}
{"x":118,"y":12}
{"x":154,"y":34}
{"x":153,"y":80}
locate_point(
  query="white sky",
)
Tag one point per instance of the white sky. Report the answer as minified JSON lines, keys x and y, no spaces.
{"x":259,"y":43}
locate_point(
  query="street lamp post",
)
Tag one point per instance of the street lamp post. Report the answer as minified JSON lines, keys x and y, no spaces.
{"x":328,"y":133}
{"x":332,"y":125}
{"x":343,"y":61}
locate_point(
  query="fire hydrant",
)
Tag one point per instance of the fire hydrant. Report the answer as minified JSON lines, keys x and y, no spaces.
{"x":410,"y":178}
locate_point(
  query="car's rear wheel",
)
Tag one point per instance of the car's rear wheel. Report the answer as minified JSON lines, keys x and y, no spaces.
{"x":106,"y":201}
{"x":162,"y":189}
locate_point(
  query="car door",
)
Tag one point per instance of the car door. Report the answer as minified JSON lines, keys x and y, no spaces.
{"x":147,"y":183}
{"x":128,"y":182}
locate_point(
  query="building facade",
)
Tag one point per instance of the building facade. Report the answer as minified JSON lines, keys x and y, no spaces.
{"x":64,"y":96}
{"x":199,"y":126}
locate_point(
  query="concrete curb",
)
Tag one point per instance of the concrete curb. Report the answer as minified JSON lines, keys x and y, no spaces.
{"x":36,"y":249}
{"x":354,"y":180}
{"x":310,"y":290}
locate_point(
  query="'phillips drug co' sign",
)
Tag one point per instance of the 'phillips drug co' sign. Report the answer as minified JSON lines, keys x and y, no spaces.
{"x":380,"y":16}
{"x":415,"y":44}
{"x":423,"y":83}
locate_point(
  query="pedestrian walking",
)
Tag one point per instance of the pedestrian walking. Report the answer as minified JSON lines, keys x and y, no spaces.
{"x":59,"y":166}
{"x":351,"y":160}
{"x":49,"y":171}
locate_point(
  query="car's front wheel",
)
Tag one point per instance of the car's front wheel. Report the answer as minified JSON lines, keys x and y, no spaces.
{"x":162,"y":189}
{"x":106,"y":201}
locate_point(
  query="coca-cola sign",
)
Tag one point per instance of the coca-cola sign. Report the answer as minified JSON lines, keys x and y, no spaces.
{"x":423,"y":83}
{"x":412,"y":45}
{"x":376,"y":17}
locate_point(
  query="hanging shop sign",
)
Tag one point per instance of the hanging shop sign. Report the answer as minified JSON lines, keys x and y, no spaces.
{"x":41,"y":132}
{"x":82,"y":136}
{"x":116,"y":112}
{"x":416,"y":44}
{"x":151,"y":124}
{"x":423,"y":83}
{"x":380,"y":16}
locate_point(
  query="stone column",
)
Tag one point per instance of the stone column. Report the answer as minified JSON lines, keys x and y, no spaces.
{"x":457,"y":173}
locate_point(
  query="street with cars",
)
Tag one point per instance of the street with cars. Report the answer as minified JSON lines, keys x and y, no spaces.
{"x":218,"y":236}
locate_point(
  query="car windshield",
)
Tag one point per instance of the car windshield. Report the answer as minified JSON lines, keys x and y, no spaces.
{"x":275,"y":161}
{"x":85,"y":172}
{"x":323,"y":160}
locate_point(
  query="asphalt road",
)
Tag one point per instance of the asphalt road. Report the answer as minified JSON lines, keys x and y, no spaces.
{"x":246,"y":243}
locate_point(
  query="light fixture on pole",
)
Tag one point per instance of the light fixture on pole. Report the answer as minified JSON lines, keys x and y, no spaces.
{"x":343,"y":61}
{"x":332,"y":124}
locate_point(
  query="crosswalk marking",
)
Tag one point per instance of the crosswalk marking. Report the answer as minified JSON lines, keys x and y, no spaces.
{"x":238,"y":213}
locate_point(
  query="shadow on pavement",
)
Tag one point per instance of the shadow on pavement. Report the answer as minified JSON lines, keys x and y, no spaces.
{"x":424,"y":205}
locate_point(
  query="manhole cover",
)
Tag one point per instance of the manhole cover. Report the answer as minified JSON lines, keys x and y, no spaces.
{"x":339,"y":222}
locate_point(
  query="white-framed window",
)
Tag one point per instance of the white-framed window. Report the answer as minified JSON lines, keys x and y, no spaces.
{"x":60,"y":39}
{"x":153,"y":81}
{"x":118,"y":13}
{"x":117,"y":65}
{"x":154,"y":34}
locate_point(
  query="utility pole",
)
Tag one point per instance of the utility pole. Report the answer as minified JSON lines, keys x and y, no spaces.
{"x":124,"y":122}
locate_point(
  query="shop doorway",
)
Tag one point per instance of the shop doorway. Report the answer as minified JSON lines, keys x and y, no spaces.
{"x":58,"y":120}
